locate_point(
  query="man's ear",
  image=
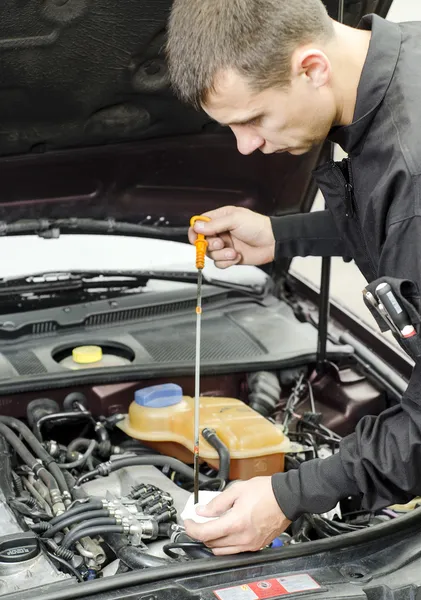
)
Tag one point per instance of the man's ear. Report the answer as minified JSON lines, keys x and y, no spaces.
{"x":313,"y":65}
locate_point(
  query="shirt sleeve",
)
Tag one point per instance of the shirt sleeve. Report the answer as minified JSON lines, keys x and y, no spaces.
{"x":308,"y":234}
{"x":380,"y":460}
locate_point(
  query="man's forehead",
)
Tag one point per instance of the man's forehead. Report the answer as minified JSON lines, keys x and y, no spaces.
{"x":231,"y":99}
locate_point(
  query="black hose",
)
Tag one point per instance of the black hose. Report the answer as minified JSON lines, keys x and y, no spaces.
{"x":102,"y":434}
{"x":187,"y":547}
{"x":41,"y":527}
{"x":190,"y":546}
{"x":99,"y":522}
{"x":134,"y":461}
{"x":38,"y":449}
{"x":80,"y":461}
{"x":6,"y":481}
{"x":76,"y":445}
{"x":28,"y":458}
{"x":138,"y":447}
{"x":83,"y":507}
{"x":74,"y":536}
{"x":81,"y":517}
{"x":212,"y":438}
{"x":132,"y":556}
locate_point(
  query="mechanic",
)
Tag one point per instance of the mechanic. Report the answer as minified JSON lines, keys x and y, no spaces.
{"x":285,"y":77}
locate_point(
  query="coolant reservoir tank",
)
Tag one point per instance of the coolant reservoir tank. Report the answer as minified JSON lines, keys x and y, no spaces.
{"x":163,"y":418}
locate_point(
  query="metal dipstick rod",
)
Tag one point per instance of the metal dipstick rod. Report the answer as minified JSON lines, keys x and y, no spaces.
{"x":201,"y":247}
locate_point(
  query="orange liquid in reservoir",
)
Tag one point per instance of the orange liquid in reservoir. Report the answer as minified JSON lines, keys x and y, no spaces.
{"x":256,"y":446}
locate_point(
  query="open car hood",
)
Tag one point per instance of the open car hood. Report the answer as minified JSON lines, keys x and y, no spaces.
{"x":91,"y":130}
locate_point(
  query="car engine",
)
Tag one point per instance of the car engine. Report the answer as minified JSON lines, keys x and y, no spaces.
{"x":93,"y":482}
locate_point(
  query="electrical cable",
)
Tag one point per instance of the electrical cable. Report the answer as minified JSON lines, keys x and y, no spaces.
{"x":65,"y":564}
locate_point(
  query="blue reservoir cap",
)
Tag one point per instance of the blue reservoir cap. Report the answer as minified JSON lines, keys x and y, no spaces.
{"x":159,"y":396}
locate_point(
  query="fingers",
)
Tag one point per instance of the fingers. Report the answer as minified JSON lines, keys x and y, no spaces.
{"x":228,"y":550}
{"x":219,"y":505}
{"x":222,"y":219}
{"x":215,"y":243}
{"x":227,"y":255}
{"x":223,"y":254}
{"x":206,"y":532}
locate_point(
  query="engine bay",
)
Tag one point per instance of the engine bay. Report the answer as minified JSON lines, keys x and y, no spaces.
{"x":94,"y":479}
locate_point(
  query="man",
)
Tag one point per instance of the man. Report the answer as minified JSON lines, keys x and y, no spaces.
{"x":284,"y":77}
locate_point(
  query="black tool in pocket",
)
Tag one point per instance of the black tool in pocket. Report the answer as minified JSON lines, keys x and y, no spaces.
{"x":395,"y":305}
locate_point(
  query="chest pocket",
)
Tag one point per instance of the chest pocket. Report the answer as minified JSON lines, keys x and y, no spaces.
{"x":336,"y":184}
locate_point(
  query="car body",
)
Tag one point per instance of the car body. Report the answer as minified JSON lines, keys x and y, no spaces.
{"x":101,"y":170}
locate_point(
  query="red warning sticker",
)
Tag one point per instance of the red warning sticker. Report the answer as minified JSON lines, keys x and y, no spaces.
{"x":269,"y":588}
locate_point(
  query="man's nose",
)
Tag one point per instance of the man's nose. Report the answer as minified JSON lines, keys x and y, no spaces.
{"x":248,"y":141}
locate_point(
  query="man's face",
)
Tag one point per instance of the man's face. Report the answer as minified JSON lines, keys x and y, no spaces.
{"x":292,"y":119}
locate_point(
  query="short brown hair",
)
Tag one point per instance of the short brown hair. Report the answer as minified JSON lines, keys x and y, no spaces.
{"x":254,"y":37}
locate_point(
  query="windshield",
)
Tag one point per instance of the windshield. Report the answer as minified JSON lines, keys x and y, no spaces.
{"x":24,"y":255}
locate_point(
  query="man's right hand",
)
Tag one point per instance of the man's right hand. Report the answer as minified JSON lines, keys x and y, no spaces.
{"x":236,"y":236}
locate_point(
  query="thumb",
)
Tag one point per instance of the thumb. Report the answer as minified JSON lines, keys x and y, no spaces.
{"x":219,"y":505}
{"x":216,"y":226}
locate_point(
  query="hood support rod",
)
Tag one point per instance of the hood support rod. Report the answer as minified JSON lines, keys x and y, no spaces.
{"x":324,"y":308}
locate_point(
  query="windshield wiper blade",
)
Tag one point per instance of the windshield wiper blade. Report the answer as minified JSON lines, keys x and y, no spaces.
{"x":70,"y":281}
{"x":73,"y":281}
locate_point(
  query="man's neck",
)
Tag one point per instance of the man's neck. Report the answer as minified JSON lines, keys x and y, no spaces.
{"x":347,"y":53}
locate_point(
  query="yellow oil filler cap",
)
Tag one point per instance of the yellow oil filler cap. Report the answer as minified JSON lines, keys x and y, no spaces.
{"x":83,"y":355}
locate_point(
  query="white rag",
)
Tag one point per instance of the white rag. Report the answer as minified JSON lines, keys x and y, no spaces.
{"x":189,"y":511}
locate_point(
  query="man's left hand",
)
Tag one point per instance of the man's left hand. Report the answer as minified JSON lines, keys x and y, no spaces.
{"x":253,"y":521}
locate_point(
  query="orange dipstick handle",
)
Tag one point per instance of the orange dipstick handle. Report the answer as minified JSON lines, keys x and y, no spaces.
{"x":201,"y":243}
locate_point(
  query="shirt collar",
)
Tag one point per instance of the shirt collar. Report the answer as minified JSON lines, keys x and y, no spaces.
{"x":378,"y":70}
